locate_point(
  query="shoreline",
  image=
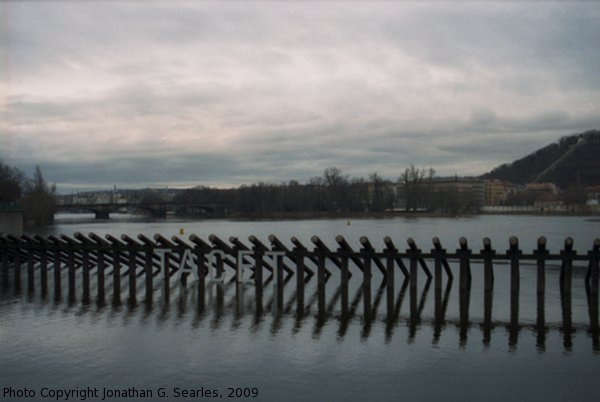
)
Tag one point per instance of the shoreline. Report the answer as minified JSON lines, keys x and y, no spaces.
{"x":378,"y":215}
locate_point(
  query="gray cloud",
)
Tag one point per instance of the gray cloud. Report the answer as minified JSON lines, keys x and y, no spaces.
{"x":215,"y":93}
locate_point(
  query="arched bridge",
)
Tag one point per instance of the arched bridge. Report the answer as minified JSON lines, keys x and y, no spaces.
{"x":156,"y":209}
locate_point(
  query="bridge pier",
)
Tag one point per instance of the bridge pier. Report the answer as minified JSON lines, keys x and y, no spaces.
{"x":158,"y":213}
{"x":102,"y":213}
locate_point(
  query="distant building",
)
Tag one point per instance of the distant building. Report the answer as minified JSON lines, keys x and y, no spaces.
{"x":593,"y":195}
{"x":497,"y":191}
{"x":467,"y":192}
{"x":542,"y":188}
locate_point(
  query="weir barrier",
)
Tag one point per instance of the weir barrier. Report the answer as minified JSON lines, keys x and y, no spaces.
{"x":121,"y":267}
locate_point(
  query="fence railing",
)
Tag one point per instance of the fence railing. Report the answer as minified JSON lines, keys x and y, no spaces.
{"x":158,"y":263}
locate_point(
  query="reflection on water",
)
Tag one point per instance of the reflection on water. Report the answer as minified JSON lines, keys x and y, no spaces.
{"x":361,"y":304}
{"x":386,"y":341}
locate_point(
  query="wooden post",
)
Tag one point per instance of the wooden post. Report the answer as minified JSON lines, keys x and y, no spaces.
{"x":4,"y":250}
{"x":439,"y":254}
{"x":132,"y":248}
{"x":280,"y":283}
{"x":57,"y":273}
{"x":85,"y":268}
{"x":343,"y":255}
{"x":148,"y":273}
{"x":132,"y":275}
{"x":277,"y":245}
{"x":414,"y":255}
{"x":162,"y":242}
{"x":321,"y":283}
{"x":271,"y":268}
{"x":391,"y":254}
{"x":464,"y":289}
{"x":299,"y":281}
{"x":488,"y":284}
{"x":367,"y":257}
{"x":3,"y":255}
{"x":514,"y":253}
{"x":258,"y":278}
{"x":594,"y":256}
{"x":166,"y":277}
{"x":567,"y":267}
{"x":219,"y":244}
{"x":17,"y":264}
{"x":201,"y":249}
{"x":71,"y":272}
{"x":100,"y":273}
{"x":116,"y":276}
{"x":30,"y":265}
{"x":349,"y":251}
{"x":488,"y":274}
{"x":84,"y":245}
{"x":389,"y":244}
{"x":202,"y":270}
{"x":465,"y":269}
{"x":43,"y":265}
{"x":541,"y":254}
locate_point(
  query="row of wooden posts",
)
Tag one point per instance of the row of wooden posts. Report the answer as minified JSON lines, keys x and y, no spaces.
{"x":127,"y":259}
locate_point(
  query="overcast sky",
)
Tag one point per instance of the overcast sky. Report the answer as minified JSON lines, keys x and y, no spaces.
{"x":222,"y":94}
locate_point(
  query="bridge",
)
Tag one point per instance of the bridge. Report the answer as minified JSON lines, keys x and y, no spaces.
{"x":155,"y":209}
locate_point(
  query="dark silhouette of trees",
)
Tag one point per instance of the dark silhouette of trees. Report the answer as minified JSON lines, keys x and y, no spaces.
{"x":416,"y":187}
{"x":11,"y":183}
{"x":573,"y":160}
{"x":381,"y":194}
{"x":575,"y":195}
{"x":333,"y":192}
{"x":38,"y":199}
{"x":149,"y":196}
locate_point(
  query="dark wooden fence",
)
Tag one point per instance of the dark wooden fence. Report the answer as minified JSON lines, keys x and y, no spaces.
{"x":159,"y":262}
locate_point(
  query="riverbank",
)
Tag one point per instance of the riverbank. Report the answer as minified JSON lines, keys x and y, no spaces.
{"x":388,"y":214}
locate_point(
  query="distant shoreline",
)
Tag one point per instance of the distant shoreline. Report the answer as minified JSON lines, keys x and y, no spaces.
{"x":379,"y":215}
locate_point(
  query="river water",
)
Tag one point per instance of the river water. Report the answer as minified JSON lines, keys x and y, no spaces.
{"x":228,"y":346}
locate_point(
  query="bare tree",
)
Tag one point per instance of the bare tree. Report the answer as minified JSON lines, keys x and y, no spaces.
{"x":11,"y":183}
{"x":38,"y":199}
{"x":416,"y":185}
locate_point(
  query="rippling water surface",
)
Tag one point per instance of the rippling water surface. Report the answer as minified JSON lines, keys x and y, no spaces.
{"x":375,"y":350}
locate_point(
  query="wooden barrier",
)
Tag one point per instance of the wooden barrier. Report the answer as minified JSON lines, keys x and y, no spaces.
{"x":118,"y":263}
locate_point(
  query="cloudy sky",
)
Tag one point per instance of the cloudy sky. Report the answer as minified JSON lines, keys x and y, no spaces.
{"x":222,"y":94}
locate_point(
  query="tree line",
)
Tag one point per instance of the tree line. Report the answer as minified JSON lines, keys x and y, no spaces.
{"x":33,"y":194}
{"x":337,"y":193}
{"x":334,"y":192}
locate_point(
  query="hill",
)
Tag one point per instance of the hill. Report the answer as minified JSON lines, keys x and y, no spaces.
{"x":572,"y":161}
